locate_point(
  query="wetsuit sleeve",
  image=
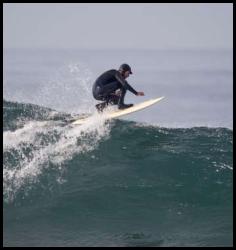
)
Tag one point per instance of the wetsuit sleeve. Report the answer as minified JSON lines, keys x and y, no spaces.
{"x":125,"y":83}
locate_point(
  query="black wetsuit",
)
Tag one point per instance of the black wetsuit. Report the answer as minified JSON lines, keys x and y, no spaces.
{"x":105,"y":86}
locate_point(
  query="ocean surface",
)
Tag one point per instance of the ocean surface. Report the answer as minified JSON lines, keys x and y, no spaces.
{"x":160,"y":177}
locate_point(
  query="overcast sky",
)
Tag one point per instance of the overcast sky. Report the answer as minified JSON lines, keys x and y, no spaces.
{"x":110,"y":25}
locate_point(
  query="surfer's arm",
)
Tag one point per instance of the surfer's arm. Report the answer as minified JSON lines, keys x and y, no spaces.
{"x":125,"y":83}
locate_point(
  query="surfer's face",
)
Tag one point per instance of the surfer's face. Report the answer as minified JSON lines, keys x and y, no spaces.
{"x":126,"y":74}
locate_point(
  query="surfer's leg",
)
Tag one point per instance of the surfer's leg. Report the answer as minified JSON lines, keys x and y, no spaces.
{"x":121,"y":104}
{"x":113,"y":99}
{"x":101,"y":92}
{"x":99,"y":95}
{"x":107,"y":93}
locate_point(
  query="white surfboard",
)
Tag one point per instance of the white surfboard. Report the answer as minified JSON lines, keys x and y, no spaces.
{"x":117,"y":113}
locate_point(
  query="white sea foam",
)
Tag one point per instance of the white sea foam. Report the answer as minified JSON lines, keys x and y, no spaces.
{"x":12,"y":139}
{"x":61,"y":145}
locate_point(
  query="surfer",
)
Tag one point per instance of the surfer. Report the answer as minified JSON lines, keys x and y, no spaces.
{"x":111,"y":87}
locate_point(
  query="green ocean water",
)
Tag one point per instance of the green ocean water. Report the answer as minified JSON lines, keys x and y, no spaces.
{"x":117,"y":183}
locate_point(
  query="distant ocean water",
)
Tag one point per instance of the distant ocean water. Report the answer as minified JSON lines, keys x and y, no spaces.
{"x":160,"y":177}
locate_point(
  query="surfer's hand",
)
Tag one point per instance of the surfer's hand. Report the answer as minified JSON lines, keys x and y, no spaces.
{"x":140,"y":94}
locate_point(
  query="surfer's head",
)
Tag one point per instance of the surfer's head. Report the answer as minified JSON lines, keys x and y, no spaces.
{"x":125,"y":70}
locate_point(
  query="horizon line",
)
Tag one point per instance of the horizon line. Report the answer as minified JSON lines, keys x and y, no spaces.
{"x":120,"y":48}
